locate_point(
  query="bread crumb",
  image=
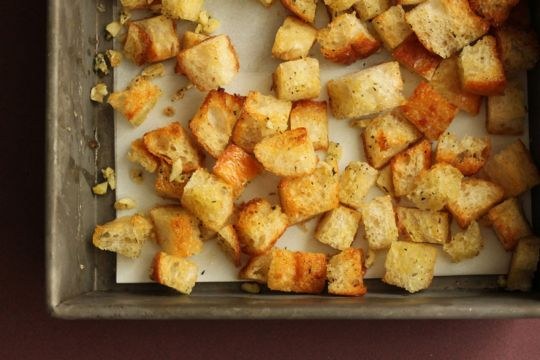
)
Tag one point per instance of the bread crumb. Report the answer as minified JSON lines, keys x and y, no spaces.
{"x":169,"y":111}
{"x":125,"y":204}
{"x":100,"y":189}
{"x":136,"y":175}
{"x":114,"y":57}
{"x":179,"y":94}
{"x":98,"y":92}
{"x":112,"y":29}
{"x":153,"y":71}
{"x":100,"y":64}
{"x":252,"y":288}
{"x":110,"y":176}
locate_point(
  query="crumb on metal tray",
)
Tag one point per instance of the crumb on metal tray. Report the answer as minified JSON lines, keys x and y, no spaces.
{"x":100,"y":189}
{"x":136,"y":175}
{"x":125,"y":204}
{"x":169,"y":111}
{"x":110,"y":176}
{"x":252,"y":288}
{"x":98,"y":92}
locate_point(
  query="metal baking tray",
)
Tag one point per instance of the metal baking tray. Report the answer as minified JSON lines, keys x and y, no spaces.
{"x":81,"y":280}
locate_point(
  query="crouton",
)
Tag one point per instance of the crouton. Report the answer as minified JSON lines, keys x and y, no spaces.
{"x":436,"y":187}
{"x":466,"y":244}
{"x":346,"y":39}
{"x":190,"y":39}
{"x":261,"y":116}
{"x":177,"y":231}
{"x":297,"y":79}
{"x":513,"y":169}
{"x":182,"y":9}
{"x":355,"y":182}
{"x":446,"y":83}
{"x":468,"y":155}
{"x":339,"y":5}
{"x":138,"y":154}
{"x":125,"y":235}
{"x":392,"y":27}
{"x":214,"y":122}
{"x":293,"y":39}
{"x":423,"y":225}
{"x":446,"y":26}
{"x":345,"y":273}
{"x":506,"y":113}
{"x":415,"y":57}
{"x":429,"y":111}
{"x":409,"y":2}
{"x":304,"y":9}
{"x":210,"y":64}
{"x":379,"y":222}
{"x":175,"y":272}
{"x":368,"y":9}
{"x":290,"y":153}
{"x":209,"y":198}
{"x":151,"y":40}
{"x":312,"y":116}
{"x":366,"y":92}
{"x":236,"y":167}
{"x":509,"y":223}
{"x":137,"y":4}
{"x":410,"y":265}
{"x":519,"y":48}
{"x":256,"y":268}
{"x":494,"y":11}
{"x":167,"y":188}
{"x":386,"y":136}
{"x":136,"y":101}
{"x":266,"y":3}
{"x":338,"y":227}
{"x":299,"y":272}
{"x":524,"y":264}
{"x":408,"y":165}
{"x":229,"y":243}
{"x":384,"y":180}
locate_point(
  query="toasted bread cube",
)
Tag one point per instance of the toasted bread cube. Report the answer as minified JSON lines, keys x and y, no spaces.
{"x":366,"y":92}
{"x":423,"y":226}
{"x":379,"y":222}
{"x":151,"y":40}
{"x":214,"y":122}
{"x":290,"y":153}
{"x":136,"y":101}
{"x":524,"y":264}
{"x":355,"y":182}
{"x":480,"y":69}
{"x":140,"y":155}
{"x":125,"y":235}
{"x":513,"y":169}
{"x":339,"y":5}
{"x":209,"y":198}
{"x":446,"y":83}
{"x":261,"y":116}
{"x":392,"y":27}
{"x":386,"y":136}
{"x":293,"y":39}
{"x":446,"y":26}
{"x":307,"y":196}
{"x":436,"y":187}
{"x":468,"y":154}
{"x":408,"y":165}
{"x":384,"y":180}
{"x":297,"y":79}
{"x":177,"y":231}
{"x":506,"y":113}
{"x":256,"y":268}
{"x":338,"y":227}
{"x":415,"y":57}
{"x":410,"y":265}
{"x":346,"y":39}
{"x":304,"y":9}
{"x":182,"y":9}
{"x":519,"y":48}
{"x":466,"y":244}
{"x":311,"y":115}
{"x":429,"y":111}
{"x":509,"y":223}
{"x":368,"y":9}
{"x":190,"y":39}
{"x":494,"y":11}
{"x":236,"y":167}
{"x":175,"y":272}
{"x":210,"y":64}
{"x":137,"y":4}
{"x":299,"y":272}
{"x":345,"y":273}
{"x":167,"y":188}
{"x":229,"y":243}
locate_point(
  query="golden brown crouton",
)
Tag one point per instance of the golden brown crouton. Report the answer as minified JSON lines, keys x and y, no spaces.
{"x":339,"y":5}
{"x":415,"y":57}
{"x":311,"y":115}
{"x":125,"y":235}
{"x":175,"y":272}
{"x":509,"y":223}
{"x":466,"y":244}
{"x":293,"y":39}
{"x":190,"y":39}
{"x":304,"y":9}
{"x":468,"y":154}
{"x":140,"y":155}
{"x":355,"y":182}
{"x":167,"y":188}
{"x":379,"y":222}
{"x":182,"y":9}
{"x":408,"y":165}
{"x":423,"y":225}
{"x":368,"y":9}
{"x":256,"y":268}
{"x":297,"y":79}
{"x":506,"y":113}
{"x":494,"y":11}
{"x":384,"y":180}
{"x":519,"y":48}
{"x":338,"y":227}
{"x":392,"y":27}
{"x":228,"y":241}
{"x":345,"y":273}
{"x":524,"y":264}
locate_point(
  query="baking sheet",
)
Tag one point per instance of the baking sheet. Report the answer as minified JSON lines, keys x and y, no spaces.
{"x":252,"y":28}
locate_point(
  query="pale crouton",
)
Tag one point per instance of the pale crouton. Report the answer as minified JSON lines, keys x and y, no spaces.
{"x":392,"y":27}
{"x":177,"y":231}
{"x":524,"y":264}
{"x":256,"y":268}
{"x":355,"y":182}
{"x":519,"y":48}
{"x":136,"y":101}
{"x":468,"y":154}
{"x":290,"y":153}
{"x":304,"y":9}
{"x":140,"y":155}
{"x":346,"y":39}
{"x":214,"y":122}
{"x":506,"y":113}
{"x":338,"y":227}
{"x":190,"y":39}
{"x":167,"y":188}
{"x":368,"y":9}
{"x":410,"y":265}
{"x":384,"y":180}
{"x":182,"y":9}
{"x":210,"y":64}
{"x":209,"y":198}
{"x":229,"y":243}
{"x":345,"y":273}
{"x":339,"y":5}
{"x":446,"y":26}
{"x":386,"y":136}
{"x":466,"y":244}
{"x":297,"y":79}
{"x":236,"y":167}
{"x":261,"y":116}
{"x":423,"y":225}
{"x":513,"y":169}
{"x":379,"y":222}
{"x":429,"y":111}
{"x":415,"y":57}
{"x":137,"y":4}
{"x":125,"y":235}
{"x":494,"y":11}
{"x":408,"y":165}
{"x":293,"y":39}
{"x":509,"y":223}
{"x":311,"y":115}
{"x":175,"y":272}
{"x":366,"y":92}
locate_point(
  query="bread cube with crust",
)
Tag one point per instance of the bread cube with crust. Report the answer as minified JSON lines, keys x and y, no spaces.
{"x":256,"y":268}
{"x":408,"y":165}
{"x":311,"y":115}
{"x":338,"y":227}
{"x":509,"y":223}
{"x":355,"y":182}
{"x":293,"y":39}
{"x":190,"y":39}
{"x":379,"y":222}
{"x":468,"y":154}
{"x":415,"y":57}
{"x":140,"y":155}
{"x":494,"y":11}
{"x":297,"y":79}
{"x":384,"y":180}
{"x":466,"y":244}
{"x":519,"y":48}
{"x":524,"y":264}
{"x":174,"y":271}
{"x":182,"y":9}
{"x":345,"y":273}
{"x":304,"y":9}
{"x":339,"y":5}
{"x":125,"y":235}
{"x":228,"y":241}
{"x":506,"y":113}
{"x":423,"y":226}
{"x":167,"y":187}
{"x":368,"y":9}
{"x":392,"y":27}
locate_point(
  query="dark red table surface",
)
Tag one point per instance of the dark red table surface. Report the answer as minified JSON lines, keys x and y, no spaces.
{"x":27,"y":331}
